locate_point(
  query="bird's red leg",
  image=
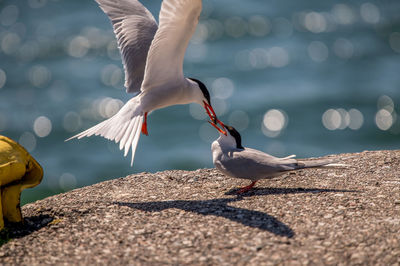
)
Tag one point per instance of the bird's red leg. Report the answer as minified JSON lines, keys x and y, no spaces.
{"x":246,"y":188}
{"x":144,"y":126}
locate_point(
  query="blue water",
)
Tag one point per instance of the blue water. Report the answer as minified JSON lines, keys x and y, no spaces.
{"x":300,"y":58}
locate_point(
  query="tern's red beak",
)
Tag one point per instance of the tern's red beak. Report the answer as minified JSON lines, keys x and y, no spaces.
{"x":210,"y":111}
{"x":214,"y":120}
{"x":222,"y":131}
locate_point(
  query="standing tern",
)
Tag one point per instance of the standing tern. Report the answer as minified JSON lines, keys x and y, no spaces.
{"x":232,"y":159}
{"x":153,"y":61}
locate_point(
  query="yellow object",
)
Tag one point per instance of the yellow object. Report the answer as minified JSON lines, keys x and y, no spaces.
{"x":18,"y":171}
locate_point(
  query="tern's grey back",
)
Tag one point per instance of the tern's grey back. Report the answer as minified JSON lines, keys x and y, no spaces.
{"x":249,"y":163}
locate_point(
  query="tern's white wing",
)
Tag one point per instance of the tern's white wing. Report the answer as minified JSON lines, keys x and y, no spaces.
{"x":177,"y":23}
{"x":135,"y":28}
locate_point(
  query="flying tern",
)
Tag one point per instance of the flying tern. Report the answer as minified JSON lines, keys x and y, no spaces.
{"x":232,"y":159}
{"x":152,"y":56}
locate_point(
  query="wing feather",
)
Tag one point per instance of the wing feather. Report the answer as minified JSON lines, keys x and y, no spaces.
{"x":134,"y":27}
{"x":177,"y":23}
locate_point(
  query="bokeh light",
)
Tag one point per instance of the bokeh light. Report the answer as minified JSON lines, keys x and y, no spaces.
{"x":239,"y":120}
{"x":10,"y":43}
{"x":384,"y":119}
{"x":28,"y":51}
{"x":356,"y":119}
{"x":78,"y":46}
{"x":343,"y":14}
{"x":201,"y":34}
{"x":222,"y":88}
{"x":315,"y":22}
{"x":42,"y":126}
{"x":28,"y":141}
{"x":107,"y":107}
{"x":220,"y":106}
{"x":3,"y":78}
{"x":113,"y":51}
{"x":96,"y":37}
{"x":344,"y":118}
{"x":259,"y":58}
{"x":9,"y":15}
{"x":339,"y":119}
{"x":72,"y":122}
{"x":207,"y":133}
{"x":215,"y":29}
{"x":196,"y":52}
{"x":235,"y":27}
{"x":318,"y":51}
{"x":112,"y":75}
{"x":39,"y":76}
{"x":343,"y":48}
{"x":274,"y":122}
{"x":276,"y":148}
{"x":197,"y":111}
{"x":386,"y":115}
{"x":370,"y":13}
{"x":385,"y":102}
{"x":278,"y":57}
{"x":259,"y":26}
{"x":282,"y":27}
{"x":331,"y":119}
{"x":67,"y":181}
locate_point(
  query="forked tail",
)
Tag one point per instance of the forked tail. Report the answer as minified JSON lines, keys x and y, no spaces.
{"x":123,"y":128}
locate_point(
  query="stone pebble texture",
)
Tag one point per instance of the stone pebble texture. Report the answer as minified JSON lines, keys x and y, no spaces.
{"x":344,"y":216}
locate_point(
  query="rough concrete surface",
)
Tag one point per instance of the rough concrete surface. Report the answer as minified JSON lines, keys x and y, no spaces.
{"x":315,"y":216}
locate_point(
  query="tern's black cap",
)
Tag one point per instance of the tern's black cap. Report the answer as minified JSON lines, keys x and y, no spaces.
{"x":236,"y":135}
{"x":203,"y":89}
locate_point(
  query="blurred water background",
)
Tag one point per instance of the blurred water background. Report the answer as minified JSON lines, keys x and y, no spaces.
{"x":294,"y":77}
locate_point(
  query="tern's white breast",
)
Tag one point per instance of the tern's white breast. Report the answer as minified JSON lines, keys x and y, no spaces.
{"x":166,"y":95}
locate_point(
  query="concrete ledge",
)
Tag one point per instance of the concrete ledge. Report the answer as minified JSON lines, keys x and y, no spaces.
{"x":318,"y":216}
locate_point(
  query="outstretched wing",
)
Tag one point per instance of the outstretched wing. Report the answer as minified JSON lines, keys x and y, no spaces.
{"x":177,"y":23}
{"x":135,"y":28}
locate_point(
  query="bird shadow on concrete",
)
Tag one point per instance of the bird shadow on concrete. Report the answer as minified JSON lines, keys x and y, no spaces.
{"x":260,"y":191}
{"x":219,"y":208}
{"x":30,"y":224}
